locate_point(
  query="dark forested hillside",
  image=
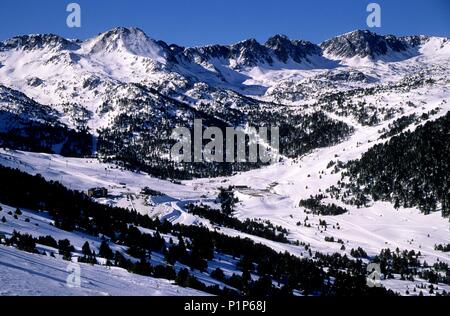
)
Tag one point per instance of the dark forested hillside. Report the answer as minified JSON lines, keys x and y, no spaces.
{"x":412,"y":169}
{"x":51,"y":139}
{"x":142,"y":140}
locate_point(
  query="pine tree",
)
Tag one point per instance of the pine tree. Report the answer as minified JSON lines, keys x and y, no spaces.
{"x":65,"y":249}
{"x":143,"y":268}
{"x":3,"y":219}
{"x":86,"y":250}
{"x":105,"y":251}
{"x":227,"y":200}
{"x":182,"y":278}
{"x":218,"y":274}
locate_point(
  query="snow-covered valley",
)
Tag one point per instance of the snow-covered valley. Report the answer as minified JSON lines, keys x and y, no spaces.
{"x":95,"y":83}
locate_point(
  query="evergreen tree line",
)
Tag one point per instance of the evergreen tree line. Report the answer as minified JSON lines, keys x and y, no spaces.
{"x":265,"y":230}
{"x":315,"y":206}
{"x":399,"y":125}
{"x":407,"y":264}
{"x":140,"y":145}
{"x":411,"y":170}
{"x":443,"y":248}
{"x":44,"y":137}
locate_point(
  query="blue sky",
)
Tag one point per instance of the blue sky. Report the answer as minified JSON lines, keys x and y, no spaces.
{"x":199,"y":22}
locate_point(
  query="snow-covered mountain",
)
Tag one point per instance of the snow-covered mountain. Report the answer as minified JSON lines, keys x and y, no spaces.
{"x":56,"y":71}
{"x":87,"y":83}
{"x":111,"y":102}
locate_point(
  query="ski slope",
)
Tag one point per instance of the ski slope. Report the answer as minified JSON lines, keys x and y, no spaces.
{"x":25,"y":274}
{"x":39,"y":224}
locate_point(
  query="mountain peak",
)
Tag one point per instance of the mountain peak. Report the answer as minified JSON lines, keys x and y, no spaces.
{"x":278,"y":38}
{"x":360,"y":32}
{"x":297,"y":50}
{"x":124,"y":31}
{"x":250,"y":52}
{"x":363,"y":43}
{"x":129,"y":40}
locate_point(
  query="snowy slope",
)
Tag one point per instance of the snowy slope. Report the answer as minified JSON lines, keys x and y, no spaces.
{"x":89,"y":84}
{"x":40,"y":224}
{"x":26,"y":274}
{"x":374,"y":228}
{"x":273,"y":192}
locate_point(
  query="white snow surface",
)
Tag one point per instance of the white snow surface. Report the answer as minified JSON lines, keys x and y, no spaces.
{"x":273,"y":192}
{"x":25,"y":274}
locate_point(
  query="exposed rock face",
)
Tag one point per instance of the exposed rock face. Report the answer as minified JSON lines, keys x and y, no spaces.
{"x":296,"y":50}
{"x":35,"y":42}
{"x":367,"y":44}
